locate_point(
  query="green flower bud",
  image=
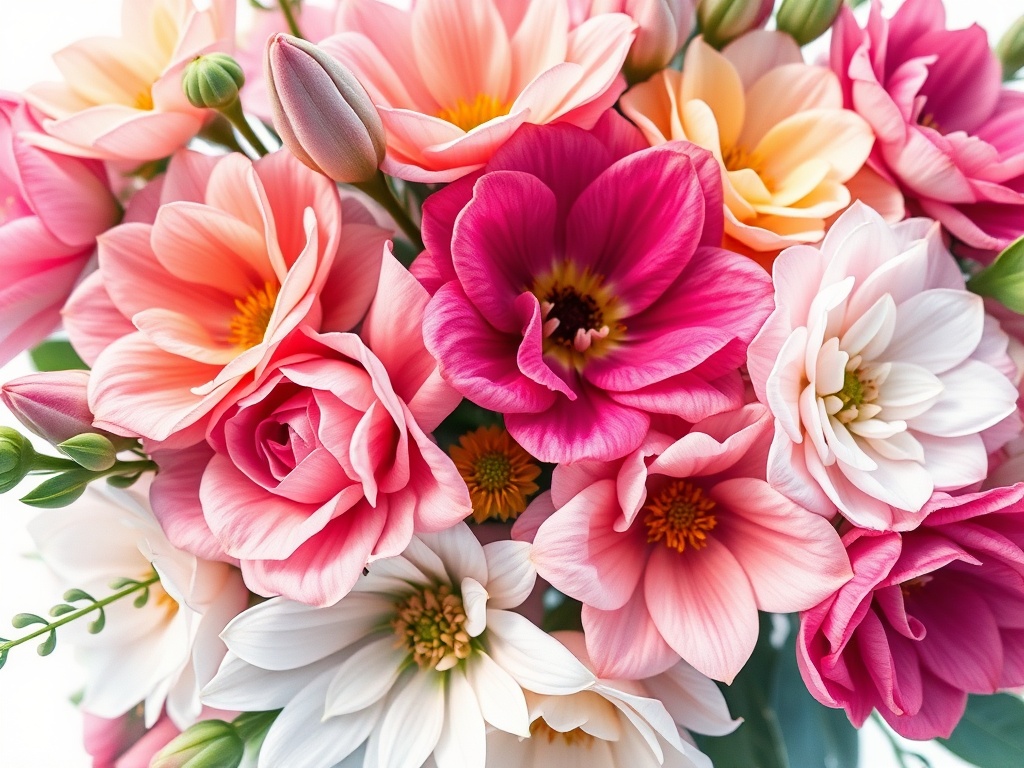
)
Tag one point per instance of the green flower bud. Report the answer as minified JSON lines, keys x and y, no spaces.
{"x":212,"y":81}
{"x":807,"y":20}
{"x":207,"y":744}
{"x":16,"y":458}
{"x":90,"y":450}
{"x":1003,"y":279}
{"x":722,"y":21}
{"x":1010,"y":49}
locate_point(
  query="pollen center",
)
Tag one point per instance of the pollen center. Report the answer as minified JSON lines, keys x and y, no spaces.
{"x":579,"y":311}
{"x":539,"y":729}
{"x":467,"y":115}
{"x":681,"y":516}
{"x":144,"y":100}
{"x":497,"y":471}
{"x":856,"y":400}
{"x":431,"y":625}
{"x":249,"y":325}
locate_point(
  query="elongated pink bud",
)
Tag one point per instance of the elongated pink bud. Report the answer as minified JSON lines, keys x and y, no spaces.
{"x":664,"y":26}
{"x":52,"y":405}
{"x":321,"y":112}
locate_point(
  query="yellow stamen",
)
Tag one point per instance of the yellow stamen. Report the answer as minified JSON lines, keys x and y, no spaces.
{"x":576,"y":737}
{"x":431,"y":625}
{"x":144,"y":101}
{"x":681,"y":516}
{"x":498,"y":472}
{"x":249,"y":326}
{"x":467,"y":115}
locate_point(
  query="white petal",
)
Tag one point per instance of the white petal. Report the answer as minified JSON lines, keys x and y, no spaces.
{"x":787,"y":473}
{"x":908,"y":390}
{"x":412,"y":722}
{"x":839,"y":439}
{"x":830,"y":372}
{"x":474,"y":600}
{"x":424,"y":558}
{"x":460,"y":551}
{"x":810,"y":416}
{"x":365,"y":677}
{"x":536,"y":660}
{"x":653,"y":712}
{"x":512,"y":575}
{"x":954,"y":462}
{"x":693,"y":700}
{"x":876,"y":429}
{"x":900,"y":446}
{"x":903,"y":484}
{"x":975,"y":396}
{"x":500,"y":697}
{"x":782,"y":390}
{"x":462,"y":743}
{"x":871,"y":333}
{"x":399,"y":569}
{"x":241,"y":687}
{"x":937,"y":329}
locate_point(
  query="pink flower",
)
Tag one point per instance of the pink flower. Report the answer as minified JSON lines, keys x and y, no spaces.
{"x":121,"y":98}
{"x":452,"y":80}
{"x":324,"y":463}
{"x":881,"y":370}
{"x":51,"y":210}
{"x":247,"y":253}
{"x":930,"y":616}
{"x":576,"y":307}
{"x":947,"y":132}
{"x":674,"y":549}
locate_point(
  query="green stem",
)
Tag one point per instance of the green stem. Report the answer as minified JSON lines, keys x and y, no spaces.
{"x":43,"y":463}
{"x":379,"y":190}
{"x":289,"y":15}
{"x":234,"y":113}
{"x":74,"y":615}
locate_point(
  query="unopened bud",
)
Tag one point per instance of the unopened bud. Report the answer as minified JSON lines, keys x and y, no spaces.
{"x":663,"y":27}
{"x":807,"y":20}
{"x":207,"y":744}
{"x":16,"y":457}
{"x":1010,"y":49}
{"x":91,"y":451}
{"x":722,"y":21}
{"x":321,"y":112}
{"x":212,"y":81}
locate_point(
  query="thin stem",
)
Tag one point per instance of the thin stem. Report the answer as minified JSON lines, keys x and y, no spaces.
{"x":234,"y":113}
{"x":897,"y":748}
{"x":67,"y":618}
{"x":289,"y":15}
{"x":43,"y":463}
{"x":379,"y":190}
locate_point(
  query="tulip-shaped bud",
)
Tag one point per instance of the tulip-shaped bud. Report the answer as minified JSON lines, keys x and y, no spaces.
{"x":90,"y":451}
{"x":321,"y":112}
{"x":722,"y":21}
{"x":807,"y":20}
{"x":212,"y":81}
{"x":663,"y":27}
{"x":1010,"y":49}
{"x":207,"y":744}
{"x":16,"y":458}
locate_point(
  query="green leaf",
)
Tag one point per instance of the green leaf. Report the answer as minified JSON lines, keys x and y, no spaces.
{"x":23,"y":620}
{"x":124,"y":481}
{"x":75,"y":594}
{"x":1003,"y":280}
{"x":991,"y":732}
{"x":60,"y":490}
{"x":56,"y":356}
{"x":48,"y":645}
{"x":61,"y":609}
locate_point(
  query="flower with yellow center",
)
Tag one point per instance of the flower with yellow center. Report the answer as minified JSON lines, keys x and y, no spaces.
{"x":681,"y":515}
{"x":249,"y":326}
{"x":499,"y":473}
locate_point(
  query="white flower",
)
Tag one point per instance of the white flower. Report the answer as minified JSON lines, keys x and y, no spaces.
{"x":882,"y":372}
{"x":416,"y":661}
{"x":616,"y":723}
{"x":164,"y":652}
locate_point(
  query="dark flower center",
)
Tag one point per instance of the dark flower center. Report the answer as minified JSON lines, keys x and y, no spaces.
{"x":574,"y":312}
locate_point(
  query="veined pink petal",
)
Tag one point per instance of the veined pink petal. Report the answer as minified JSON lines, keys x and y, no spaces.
{"x":625,"y":643}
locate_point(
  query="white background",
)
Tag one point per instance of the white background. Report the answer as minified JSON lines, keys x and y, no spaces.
{"x":38,"y":726}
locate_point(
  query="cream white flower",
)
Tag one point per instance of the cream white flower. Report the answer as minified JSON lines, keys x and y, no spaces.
{"x":418,"y":660}
{"x":882,"y":372}
{"x":165,"y":651}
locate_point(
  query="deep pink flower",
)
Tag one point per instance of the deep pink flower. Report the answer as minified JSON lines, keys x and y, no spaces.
{"x":52,"y":208}
{"x":324,"y":463}
{"x":947,"y":132}
{"x":674,"y":549}
{"x":930,"y":616}
{"x":580,"y":288}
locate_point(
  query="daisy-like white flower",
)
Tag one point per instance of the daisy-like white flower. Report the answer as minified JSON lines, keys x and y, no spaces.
{"x":415,"y":662}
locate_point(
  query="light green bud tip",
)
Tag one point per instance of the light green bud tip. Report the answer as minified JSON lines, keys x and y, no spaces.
{"x":207,"y":744}
{"x":807,"y":20}
{"x":90,"y":450}
{"x":212,"y":81}
{"x":1010,"y":49}
{"x":16,"y":458}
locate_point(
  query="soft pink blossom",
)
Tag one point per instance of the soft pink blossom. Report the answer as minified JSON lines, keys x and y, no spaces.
{"x":52,"y":208}
{"x":674,"y":549}
{"x":882,"y":371}
{"x":930,"y":616}
{"x":125,"y":742}
{"x":569,"y":302}
{"x":947,"y":132}
{"x":245,"y":254}
{"x":324,"y":463}
{"x":453,"y":80}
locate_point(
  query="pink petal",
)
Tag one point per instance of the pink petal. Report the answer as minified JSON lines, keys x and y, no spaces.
{"x":626,"y":644}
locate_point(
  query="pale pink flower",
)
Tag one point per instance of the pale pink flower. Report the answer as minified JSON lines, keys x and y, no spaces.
{"x":51,"y":210}
{"x":324,"y":462}
{"x":121,"y":98}
{"x":948,"y":133}
{"x":420,"y":659}
{"x":125,"y":742}
{"x":454,"y":79}
{"x":213,"y":285}
{"x":880,"y":373}
{"x":929,"y":617}
{"x":674,"y":549}
{"x":570,"y":303}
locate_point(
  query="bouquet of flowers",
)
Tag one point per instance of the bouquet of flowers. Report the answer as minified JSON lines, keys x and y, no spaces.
{"x":493,"y":383}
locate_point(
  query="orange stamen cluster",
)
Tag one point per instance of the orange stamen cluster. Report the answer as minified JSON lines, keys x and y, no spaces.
{"x":498,"y":472}
{"x":431,"y":624}
{"x":249,"y":326}
{"x":681,"y":516}
{"x":468,"y":115}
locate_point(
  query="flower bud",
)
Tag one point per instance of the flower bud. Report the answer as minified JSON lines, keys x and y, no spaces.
{"x":91,"y":451}
{"x":807,"y":20}
{"x":207,"y":744}
{"x":321,"y":112}
{"x":663,"y":27}
{"x":212,"y":81}
{"x":722,"y":21}
{"x":1010,"y":49}
{"x":16,"y":458}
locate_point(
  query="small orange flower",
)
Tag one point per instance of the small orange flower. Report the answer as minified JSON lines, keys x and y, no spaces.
{"x":498,"y":471}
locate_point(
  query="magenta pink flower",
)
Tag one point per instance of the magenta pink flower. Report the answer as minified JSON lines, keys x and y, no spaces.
{"x":930,"y":616}
{"x":947,"y":132}
{"x":324,"y":463}
{"x":52,"y":208}
{"x":571,"y":303}
{"x":674,"y":549}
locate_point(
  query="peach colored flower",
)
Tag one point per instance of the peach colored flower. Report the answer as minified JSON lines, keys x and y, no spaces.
{"x":454,"y":79}
{"x":121,"y":98}
{"x":777,"y":127}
